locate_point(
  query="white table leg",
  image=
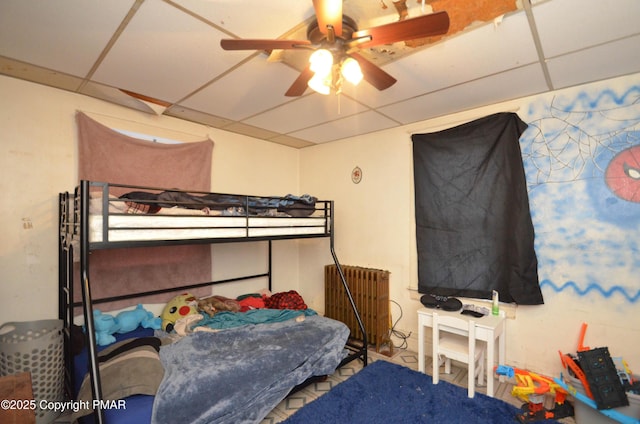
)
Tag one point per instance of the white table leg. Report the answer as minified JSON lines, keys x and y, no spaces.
{"x":471,"y":377}
{"x":491,"y":348}
{"x":420,"y":345}
{"x":502,"y":350}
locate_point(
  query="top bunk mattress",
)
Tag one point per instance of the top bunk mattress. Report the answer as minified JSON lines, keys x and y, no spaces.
{"x":149,"y":214}
{"x":175,"y":227}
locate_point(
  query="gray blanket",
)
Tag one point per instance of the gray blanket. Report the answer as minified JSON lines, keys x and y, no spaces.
{"x":239,"y":375}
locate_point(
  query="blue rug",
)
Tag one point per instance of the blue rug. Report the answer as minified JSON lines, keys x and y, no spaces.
{"x":384,"y":392}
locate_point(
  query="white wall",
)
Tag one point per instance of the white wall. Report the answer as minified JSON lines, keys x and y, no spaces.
{"x":374,"y":219}
{"x":38,"y":159}
{"x":375,"y":227}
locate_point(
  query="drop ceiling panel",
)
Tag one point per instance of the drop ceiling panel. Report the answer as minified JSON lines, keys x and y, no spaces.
{"x":170,"y":50}
{"x":349,"y":126}
{"x":239,"y":127}
{"x":253,"y":87}
{"x":497,"y":88}
{"x":306,"y":112}
{"x":487,"y":50}
{"x":291,"y":141}
{"x":368,"y":14}
{"x":46,"y":33}
{"x":164,"y":53}
{"x":601,"y":62}
{"x":252,"y":18}
{"x":569,"y":25}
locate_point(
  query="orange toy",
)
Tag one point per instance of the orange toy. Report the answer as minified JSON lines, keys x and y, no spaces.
{"x":569,"y":363}
{"x":532,"y":388}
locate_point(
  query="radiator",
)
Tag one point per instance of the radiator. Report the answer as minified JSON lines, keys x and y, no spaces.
{"x":370,"y":290}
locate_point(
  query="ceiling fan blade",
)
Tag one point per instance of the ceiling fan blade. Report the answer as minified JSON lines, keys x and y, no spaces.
{"x":300,"y":84}
{"x":409,"y":29}
{"x":329,"y":12}
{"x":254,"y":44}
{"x":145,"y":98}
{"x":373,"y":74}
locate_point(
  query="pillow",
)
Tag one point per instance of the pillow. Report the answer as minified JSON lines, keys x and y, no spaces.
{"x":140,"y":208}
{"x":141,"y":202}
{"x":130,"y":367}
{"x":95,"y":204}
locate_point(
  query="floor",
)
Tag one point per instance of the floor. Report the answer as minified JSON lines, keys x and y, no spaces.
{"x":406,"y":358}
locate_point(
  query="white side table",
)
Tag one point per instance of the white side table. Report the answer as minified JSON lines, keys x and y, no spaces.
{"x":490,"y":328}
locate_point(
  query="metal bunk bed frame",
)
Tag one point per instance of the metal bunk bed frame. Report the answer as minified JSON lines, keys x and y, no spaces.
{"x":74,"y":226}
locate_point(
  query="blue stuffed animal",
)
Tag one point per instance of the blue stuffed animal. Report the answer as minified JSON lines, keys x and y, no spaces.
{"x":130,"y":320}
{"x":105,"y":325}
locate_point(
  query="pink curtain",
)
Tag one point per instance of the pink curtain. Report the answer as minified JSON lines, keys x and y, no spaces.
{"x":109,"y":156}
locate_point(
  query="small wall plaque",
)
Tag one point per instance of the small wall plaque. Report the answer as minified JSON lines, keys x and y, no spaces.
{"x":356,"y":175}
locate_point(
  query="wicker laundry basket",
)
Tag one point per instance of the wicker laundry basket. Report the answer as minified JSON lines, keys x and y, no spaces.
{"x":35,"y":347}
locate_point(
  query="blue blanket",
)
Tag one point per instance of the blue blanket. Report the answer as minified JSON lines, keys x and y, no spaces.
{"x":225,"y":320}
{"x":239,"y":375}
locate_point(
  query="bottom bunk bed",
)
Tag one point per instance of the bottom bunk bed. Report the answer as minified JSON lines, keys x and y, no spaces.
{"x":228,"y":367}
{"x":236,"y":375}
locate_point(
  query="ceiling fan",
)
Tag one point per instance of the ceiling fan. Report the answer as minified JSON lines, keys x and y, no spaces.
{"x":335,"y":39}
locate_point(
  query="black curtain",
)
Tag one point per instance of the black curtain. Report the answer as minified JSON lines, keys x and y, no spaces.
{"x":473,"y":226}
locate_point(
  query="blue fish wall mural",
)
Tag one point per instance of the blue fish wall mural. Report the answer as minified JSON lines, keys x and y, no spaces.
{"x":582,"y":162}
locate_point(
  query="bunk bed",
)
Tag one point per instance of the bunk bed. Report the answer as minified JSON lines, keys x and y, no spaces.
{"x":92,"y":218}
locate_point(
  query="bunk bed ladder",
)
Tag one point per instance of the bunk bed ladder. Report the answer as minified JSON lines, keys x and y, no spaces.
{"x":358,"y":351}
{"x":65,"y":289}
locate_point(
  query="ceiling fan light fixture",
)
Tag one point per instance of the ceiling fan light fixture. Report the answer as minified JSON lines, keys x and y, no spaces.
{"x":320,"y":84}
{"x":351,"y":71}
{"x":336,"y":36}
{"x":321,"y":62}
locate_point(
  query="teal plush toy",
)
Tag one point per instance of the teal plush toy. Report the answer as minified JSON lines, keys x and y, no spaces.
{"x":105,"y":325}
{"x":130,"y":320}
